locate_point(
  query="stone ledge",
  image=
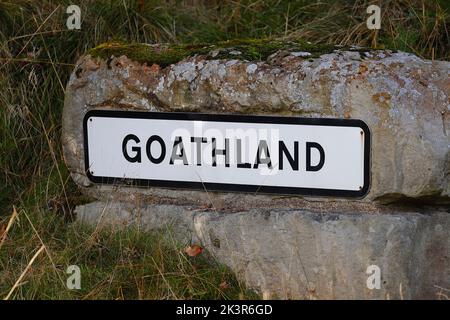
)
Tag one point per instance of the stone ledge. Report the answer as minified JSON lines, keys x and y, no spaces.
{"x":301,"y":254}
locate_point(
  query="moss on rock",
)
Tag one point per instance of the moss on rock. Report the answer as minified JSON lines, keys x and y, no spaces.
{"x":244,"y":49}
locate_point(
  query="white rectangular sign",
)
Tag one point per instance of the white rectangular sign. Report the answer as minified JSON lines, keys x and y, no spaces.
{"x":290,"y":155}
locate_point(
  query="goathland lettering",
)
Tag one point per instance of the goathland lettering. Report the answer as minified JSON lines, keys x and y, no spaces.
{"x":263,"y":155}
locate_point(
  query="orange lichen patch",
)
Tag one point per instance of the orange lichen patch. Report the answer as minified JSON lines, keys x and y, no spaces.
{"x":382,"y":98}
{"x":155,"y":68}
{"x":361,"y":74}
{"x":362,"y":68}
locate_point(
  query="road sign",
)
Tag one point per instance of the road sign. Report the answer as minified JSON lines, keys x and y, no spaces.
{"x":260,"y":154}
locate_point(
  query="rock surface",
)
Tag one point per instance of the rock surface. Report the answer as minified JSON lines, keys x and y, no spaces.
{"x":305,"y":254}
{"x":404,"y":100}
{"x":288,"y":246}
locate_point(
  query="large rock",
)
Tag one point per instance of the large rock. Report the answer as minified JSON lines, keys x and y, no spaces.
{"x":289,"y":246}
{"x":307,"y":254}
{"x":404,"y":100}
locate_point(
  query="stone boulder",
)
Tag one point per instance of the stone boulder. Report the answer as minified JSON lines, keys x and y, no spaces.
{"x":404,"y":100}
{"x":289,"y":246}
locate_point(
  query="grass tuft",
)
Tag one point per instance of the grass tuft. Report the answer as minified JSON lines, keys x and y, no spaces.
{"x":114,"y":263}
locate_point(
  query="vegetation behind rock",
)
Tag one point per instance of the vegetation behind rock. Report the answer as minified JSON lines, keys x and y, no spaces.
{"x":37,"y":55}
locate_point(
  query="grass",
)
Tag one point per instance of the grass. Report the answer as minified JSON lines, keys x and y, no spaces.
{"x":115,"y":264}
{"x":37,"y":54}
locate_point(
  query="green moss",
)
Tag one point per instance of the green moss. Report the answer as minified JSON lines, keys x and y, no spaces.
{"x":164,"y":55}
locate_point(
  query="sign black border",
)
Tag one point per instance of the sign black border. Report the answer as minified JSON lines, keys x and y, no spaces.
{"x":231,"y":118}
